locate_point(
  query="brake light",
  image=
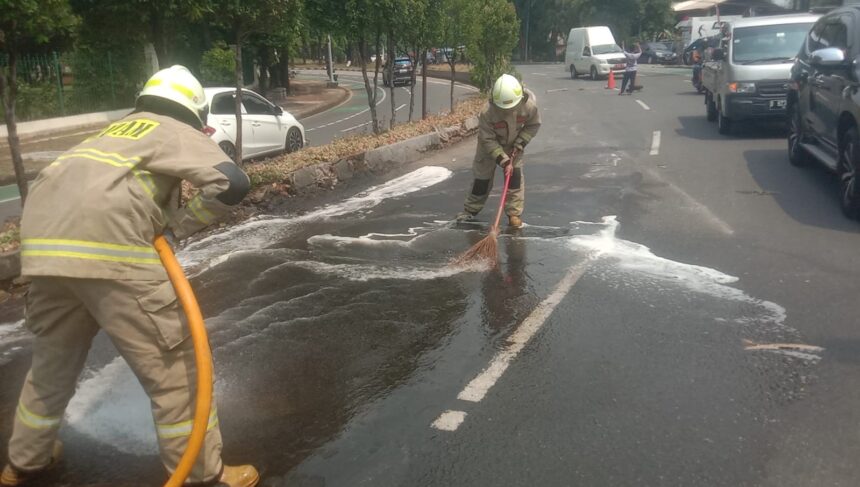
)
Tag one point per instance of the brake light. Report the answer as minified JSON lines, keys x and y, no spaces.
{"x":209,"y":131}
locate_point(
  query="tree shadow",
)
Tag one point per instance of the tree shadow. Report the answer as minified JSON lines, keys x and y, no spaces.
{"x":808,"y":195}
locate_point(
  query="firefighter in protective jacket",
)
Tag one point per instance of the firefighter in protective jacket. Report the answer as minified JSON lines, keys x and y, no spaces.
{"x":86,"y":245}
{"x":508,"y":123}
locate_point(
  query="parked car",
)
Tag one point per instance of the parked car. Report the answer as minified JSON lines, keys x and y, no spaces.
{"x":266,"y":128}
{"x":658,"y":52}
{"x":402,"y":72}
{"x":748,"y":78}
{"x":593,"y":51}
{"x":824,"y":103}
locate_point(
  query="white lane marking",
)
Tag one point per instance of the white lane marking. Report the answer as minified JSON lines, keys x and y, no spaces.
{"x":351,"y":116}
{"x":538,"y":74}
{"x":655,"y":143}
{"x":398,"y":108}
{"x":643,"y":105}
{"x":355,"y":127}
{"x":16,"y":198}
{"x":449,"y":420}
{"x":480,"y":385}
{"x":694,"y":204}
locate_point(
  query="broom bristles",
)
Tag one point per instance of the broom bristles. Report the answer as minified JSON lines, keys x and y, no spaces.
{"x":485,"y":250}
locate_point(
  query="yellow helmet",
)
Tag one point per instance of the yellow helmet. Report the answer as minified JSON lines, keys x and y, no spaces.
{"x":178,"y":85}
{"x":507,"y":92}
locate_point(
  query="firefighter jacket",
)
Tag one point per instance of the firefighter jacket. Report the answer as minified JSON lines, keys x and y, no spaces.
{"x":500,"y":130}
{"x":95,"y":211}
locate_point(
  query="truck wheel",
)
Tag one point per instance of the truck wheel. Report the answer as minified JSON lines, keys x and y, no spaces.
{"x":848,"y":165}
{"x":797,"y":156}
{"x":593,"y":73}
{"x":724,"y":124}
{"x":710,"y":107}
{"x":573,"y":73}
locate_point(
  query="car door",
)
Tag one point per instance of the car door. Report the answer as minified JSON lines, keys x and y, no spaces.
{"x":222,"y":115}
{"x":268,"y":132}
{"x":828,"y":83}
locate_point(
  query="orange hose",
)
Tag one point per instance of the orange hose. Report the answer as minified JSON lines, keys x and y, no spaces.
{"x":202,"y":355}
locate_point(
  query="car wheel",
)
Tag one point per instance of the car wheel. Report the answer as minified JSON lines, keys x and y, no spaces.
{"x":797,"y":155}
{"x":573,"y":73}
{"x":710,"y":107}
{"x":724,"y":124}
{"x":593,"y":73}
{"x":228,"y":149}
{"x":294,"y":140}
{"x":848,"y":164}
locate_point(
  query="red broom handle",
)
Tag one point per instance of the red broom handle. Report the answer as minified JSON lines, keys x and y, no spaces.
{"x":504,"y":198}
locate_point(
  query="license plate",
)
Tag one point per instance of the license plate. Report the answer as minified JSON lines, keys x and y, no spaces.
{"x":777,"y":104}
{"x":620,"y":66}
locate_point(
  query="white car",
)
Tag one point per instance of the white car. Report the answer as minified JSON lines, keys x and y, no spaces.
{"x":266,"y":128}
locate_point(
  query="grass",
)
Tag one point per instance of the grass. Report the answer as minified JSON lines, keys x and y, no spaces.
{"x":10,"y":235}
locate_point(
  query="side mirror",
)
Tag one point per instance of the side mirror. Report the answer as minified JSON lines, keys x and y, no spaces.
{"x":829,"y":57}
{"x":278,"y":110}
{"x":718,"y":55}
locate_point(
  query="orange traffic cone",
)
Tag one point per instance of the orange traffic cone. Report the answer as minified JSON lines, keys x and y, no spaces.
{"x":610,"y":82}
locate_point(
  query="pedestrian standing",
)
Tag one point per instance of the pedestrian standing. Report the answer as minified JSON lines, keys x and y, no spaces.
{"x":86,"y":244}
{"x":630,"y":71}
{"x":505,"y":126}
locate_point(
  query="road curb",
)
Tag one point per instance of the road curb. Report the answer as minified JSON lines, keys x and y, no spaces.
{"x":10,"y":264}
{"x":380,"y":160}
{"x":344,"y":96}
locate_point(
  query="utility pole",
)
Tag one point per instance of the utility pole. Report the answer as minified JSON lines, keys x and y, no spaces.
{"x":328,"y":63}
{"x":423,"y":87}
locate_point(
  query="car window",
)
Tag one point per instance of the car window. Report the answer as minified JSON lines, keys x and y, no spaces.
{"x":256,"y":106}
{"x":763,"y":44}
{"x":223,"y":104}
{"x":829,"y":33}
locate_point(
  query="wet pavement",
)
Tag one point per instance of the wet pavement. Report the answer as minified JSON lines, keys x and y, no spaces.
{"x":681,"y":318}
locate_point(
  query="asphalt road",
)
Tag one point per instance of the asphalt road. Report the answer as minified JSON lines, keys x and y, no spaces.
{"x":626,"y":338}
{"x":350,"y":118}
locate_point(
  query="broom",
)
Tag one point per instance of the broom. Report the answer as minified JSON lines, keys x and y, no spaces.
{"x":488,"y":248}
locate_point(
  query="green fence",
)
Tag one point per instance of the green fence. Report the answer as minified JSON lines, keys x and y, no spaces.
{"x":56,"y":85}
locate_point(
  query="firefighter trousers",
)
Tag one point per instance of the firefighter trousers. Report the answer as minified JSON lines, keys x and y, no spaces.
{"x":143,"y":321}
{"x":484,"y":171}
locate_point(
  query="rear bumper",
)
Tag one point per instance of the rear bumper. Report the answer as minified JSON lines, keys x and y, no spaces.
{"x":756,"y":107}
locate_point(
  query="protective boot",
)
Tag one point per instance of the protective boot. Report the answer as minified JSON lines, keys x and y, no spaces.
{"x":12,"y":477}
{"x":515,"y":221}
{"x":241,"y":476}
{"x":465,"y":216}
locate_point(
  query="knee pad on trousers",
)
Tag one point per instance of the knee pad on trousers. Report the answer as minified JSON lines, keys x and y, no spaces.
{"x":516,"y":178}
{"x":480,"y":187}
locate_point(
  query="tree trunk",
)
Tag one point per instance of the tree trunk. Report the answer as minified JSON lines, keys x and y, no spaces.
{"x":412,"y":82}
{"x":158,"y":38}
{"x":391,"y":57}
{"x":239,"y":83}
{"x":8,"y":93}
{"x":376,"y":127}
{"x":453,"y":64}
{"x":369,"y":87}
{"x":424,"y":88}
{"x":263,"y":54}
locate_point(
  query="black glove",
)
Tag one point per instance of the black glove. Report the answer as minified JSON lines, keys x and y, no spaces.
{"x":503,"y":160}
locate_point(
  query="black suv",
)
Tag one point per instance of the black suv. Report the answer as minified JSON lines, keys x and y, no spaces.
{"x":824,"y":102}
{"x":402,"y":71}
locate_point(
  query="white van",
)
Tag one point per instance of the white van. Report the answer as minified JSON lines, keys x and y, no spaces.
{"x":593,"y":51}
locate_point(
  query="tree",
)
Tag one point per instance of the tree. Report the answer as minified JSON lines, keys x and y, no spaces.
{"x":492,"y":41}
{"x":456,"y":29}
{"x":27,"y":25}
{"x":244,"y":18}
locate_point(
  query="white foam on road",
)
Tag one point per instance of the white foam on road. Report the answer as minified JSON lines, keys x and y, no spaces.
{"x":264,"y":231}
{"x":370,"y":272}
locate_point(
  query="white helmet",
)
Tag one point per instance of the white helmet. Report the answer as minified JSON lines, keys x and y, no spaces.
{"x":507,"y":92}
{"x":178,"y":85}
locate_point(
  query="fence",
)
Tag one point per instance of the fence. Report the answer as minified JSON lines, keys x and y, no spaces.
{"x":56,"y":85}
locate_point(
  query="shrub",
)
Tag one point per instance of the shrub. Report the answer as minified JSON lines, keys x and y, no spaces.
{"x":218,"y":66}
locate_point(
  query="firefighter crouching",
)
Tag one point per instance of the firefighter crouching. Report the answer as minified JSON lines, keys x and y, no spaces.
{"x":506,"y":125}
{"x":86,"y":244}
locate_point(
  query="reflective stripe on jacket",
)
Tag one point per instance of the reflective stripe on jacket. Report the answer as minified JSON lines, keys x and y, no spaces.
{"x":499,"y":130}
{"x":94,"y":212}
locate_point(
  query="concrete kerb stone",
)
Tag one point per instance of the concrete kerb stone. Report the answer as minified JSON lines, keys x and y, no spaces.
{"x":10,"y":264}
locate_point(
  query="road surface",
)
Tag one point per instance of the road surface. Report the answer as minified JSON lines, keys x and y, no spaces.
{"x":680,"y":310}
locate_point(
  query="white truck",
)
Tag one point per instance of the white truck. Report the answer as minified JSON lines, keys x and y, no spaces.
{"x":747,"y":78}
{"x":593,"y":51}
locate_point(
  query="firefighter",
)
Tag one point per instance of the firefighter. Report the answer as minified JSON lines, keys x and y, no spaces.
{"x":86,"y":245}
{"x":506,"y":125}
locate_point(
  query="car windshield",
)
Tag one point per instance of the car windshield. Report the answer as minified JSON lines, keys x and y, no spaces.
{"x":605,"y":49}
{"x":768,"y":43}
{"x":402,"y":62}
{"x":659,"y":46}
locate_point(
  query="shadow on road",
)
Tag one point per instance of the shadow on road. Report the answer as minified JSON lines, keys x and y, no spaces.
{"x":808,"y":195}
{"x":698,"y":127}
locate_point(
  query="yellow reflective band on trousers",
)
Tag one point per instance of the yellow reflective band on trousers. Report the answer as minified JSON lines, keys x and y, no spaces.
{"x":35,"y":421}
{"x":83,"y":249}
{"x":116,"y":160}
{"x":178,"y":430}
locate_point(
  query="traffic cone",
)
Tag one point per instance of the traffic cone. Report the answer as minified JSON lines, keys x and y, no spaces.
{"x":610,"y":82}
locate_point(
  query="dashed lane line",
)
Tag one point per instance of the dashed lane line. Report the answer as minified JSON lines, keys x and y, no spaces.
{"x":655,"y":143}
{"x":351,"y":116}
{"x":368,"y":122}
{"x":477,"y":389}
{"x":643,"y":105}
